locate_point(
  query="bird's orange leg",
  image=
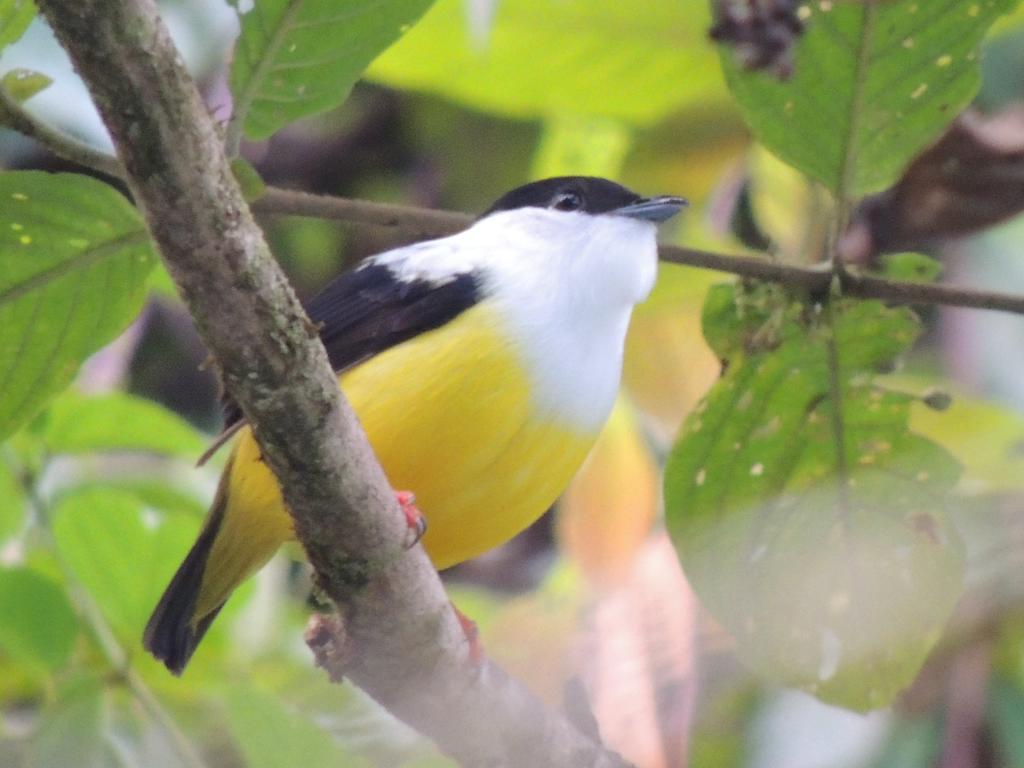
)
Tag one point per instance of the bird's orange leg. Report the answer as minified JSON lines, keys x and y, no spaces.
{"x":413,"y":517}
{"x":418,"y":525}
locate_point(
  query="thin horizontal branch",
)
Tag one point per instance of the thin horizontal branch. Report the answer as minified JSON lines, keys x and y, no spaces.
{"x":409,"y":650}
{"x":432,"y":223}
{"x":899,"y":292}
{"x":14,"y":116}
{"x":426,"y":222}
{"x":422,"y":222}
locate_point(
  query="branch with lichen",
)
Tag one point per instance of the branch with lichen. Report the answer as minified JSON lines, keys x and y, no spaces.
{"x":407,"y":649}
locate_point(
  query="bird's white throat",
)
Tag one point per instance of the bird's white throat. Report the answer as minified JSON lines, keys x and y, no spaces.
{"x":564,"y":286}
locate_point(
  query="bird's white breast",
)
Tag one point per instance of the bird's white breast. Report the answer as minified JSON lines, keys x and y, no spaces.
{"x":566,"y":285}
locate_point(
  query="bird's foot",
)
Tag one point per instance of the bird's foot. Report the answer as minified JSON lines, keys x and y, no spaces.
{"x":414,"y":519}
{"x":472,"y":633}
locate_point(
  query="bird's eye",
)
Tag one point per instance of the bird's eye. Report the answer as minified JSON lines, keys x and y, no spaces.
{"x":567,"y":201}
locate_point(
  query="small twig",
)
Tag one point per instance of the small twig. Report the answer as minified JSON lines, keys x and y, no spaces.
{"x":15,"y":116}
{"x":900,"y":292}
{"x":433,"y":223}
{"x":423,"y":222}
{"x":426,"y":222}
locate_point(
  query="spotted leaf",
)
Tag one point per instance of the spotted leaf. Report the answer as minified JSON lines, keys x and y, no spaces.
{"x":74,"y":256}
{"x":872,"y":84}
{"x":296,"y":58}
{"x":815,"y":528}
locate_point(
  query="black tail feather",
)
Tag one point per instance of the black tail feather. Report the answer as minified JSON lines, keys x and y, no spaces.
{"x":171,"y":634}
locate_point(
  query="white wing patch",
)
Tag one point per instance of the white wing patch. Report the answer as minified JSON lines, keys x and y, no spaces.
{"x":435,"y":261}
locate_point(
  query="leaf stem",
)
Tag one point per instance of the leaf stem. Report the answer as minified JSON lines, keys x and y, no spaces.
{"x":243,"y":102}
{"x":839,"y":276}
{"x":846,"y":175}
{"x":835,"y":386}
{"x":15,"y":116}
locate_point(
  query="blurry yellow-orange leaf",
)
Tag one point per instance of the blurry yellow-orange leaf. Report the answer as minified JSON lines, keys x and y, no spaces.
{"x":607,"y":512}
{"x":668,"y":367}
{"x":532,"y":635}
{"x":791,"y":210}
{"x":687,"y":154}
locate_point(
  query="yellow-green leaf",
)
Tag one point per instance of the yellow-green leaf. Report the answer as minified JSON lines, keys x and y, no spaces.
{"x":23,"y":84}
{"x":39,"y":626}
{"x":272,"y":735}
{"x":249,"y":179}
{"x":296,"y":58}
{"x":117,"y":422}
{"x":635,"y":63}
{"x":122,"y":552}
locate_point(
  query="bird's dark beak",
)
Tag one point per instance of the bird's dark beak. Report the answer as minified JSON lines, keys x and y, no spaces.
{"x":656,"y":209}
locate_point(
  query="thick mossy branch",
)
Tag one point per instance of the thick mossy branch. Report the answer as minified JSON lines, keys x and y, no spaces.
{"x":410,"y":650}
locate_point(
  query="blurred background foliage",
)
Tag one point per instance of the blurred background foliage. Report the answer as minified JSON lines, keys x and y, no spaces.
{"x":99,"y":499}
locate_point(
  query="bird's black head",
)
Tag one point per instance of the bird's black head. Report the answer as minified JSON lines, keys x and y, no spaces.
{"x":587,"y":194}
{"x":568,"y":193}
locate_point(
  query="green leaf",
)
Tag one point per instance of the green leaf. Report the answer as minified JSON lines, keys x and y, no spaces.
{"x":23,"y":84}
{"x":74,"y":256}
{"x":123,"y":553}
{"x":914,"y":267}
{"x":296,"y":58}
{"x":15,"y":16}
{"x":117,"y":422}
{"x":912,"y":743}
{"x":39,"y":626}
{"x":249,"y":180}
{"x":71,"y":730}
{"x":161,"y":284}
{"x":600,"y":58}
{"x":12,"y":502}
{"x":834,"y":580}
{"x":873,"y":84}
{"x":138,"y":737}
{"x":1006,"y":705}
{"x":161,"y":494}
{"x":573,"y":145}
{"x":271,"y":735}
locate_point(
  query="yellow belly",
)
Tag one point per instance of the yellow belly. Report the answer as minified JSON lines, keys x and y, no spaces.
{"x":450,"y":418}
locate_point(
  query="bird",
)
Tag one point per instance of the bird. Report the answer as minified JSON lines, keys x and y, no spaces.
{"x":482,"y":367}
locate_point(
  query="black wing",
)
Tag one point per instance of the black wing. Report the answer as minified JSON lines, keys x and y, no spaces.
{"x":369,"y":310}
